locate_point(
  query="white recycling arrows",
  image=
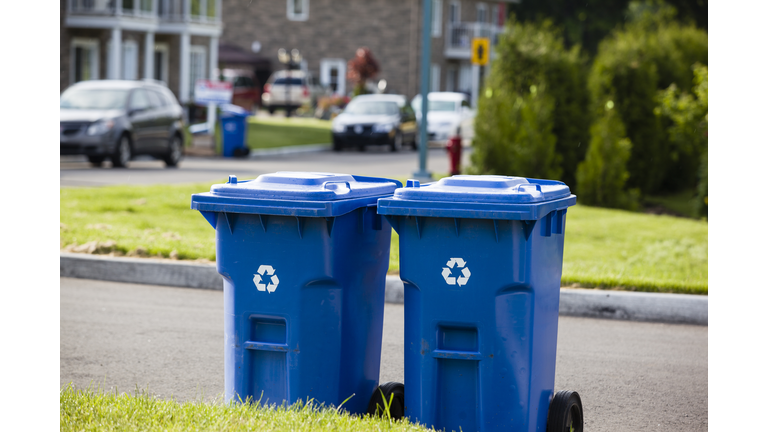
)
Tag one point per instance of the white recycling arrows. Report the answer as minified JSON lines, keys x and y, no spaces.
{"x":266,"y":270}
{"x":459,"y":263}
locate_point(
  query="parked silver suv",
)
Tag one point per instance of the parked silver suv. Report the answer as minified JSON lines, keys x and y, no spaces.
{"x":289,"y":90}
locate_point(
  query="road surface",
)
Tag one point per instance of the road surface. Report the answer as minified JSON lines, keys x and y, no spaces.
{"x":631,"y":376}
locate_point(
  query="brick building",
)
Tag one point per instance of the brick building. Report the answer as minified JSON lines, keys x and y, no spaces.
{"x":328,"y":32}
{"x":175,"y":41}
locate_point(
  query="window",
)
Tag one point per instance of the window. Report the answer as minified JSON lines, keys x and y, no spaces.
{"x":482,"y":13}
{"x":197,"y":66}
{"x":84,"y":55}
{"x":139,"y":100}
{"x":437,"y":18}
{"x":130,"y":60}
{"x":451,"y":75}
{"x":454,"y":12}
{"x":495,"y":14}
{"x":435,"y":78}
{"x":161,"y":63}
{"x":155,"y":100}
{"x":298,"y":10}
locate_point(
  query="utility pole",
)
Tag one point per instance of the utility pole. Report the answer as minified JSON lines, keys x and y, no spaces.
{"x":422,"y":174}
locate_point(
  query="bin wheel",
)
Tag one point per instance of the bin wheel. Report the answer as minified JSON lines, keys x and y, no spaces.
{"x":393,"y":391}
{"x":565,"y":413}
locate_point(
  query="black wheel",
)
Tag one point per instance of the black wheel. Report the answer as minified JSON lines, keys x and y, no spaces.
{"x":241,"y":152}
{"x":397,"y":142}
{"x":565,"y":413}
{"x":271,"y":111}
{"x":173,"y":156}
{"x":391,"y":391}
{"x":122,"y":153}
{"x":361,"y":147}
{"x":96,"y":160}
{"x":336,"y":145}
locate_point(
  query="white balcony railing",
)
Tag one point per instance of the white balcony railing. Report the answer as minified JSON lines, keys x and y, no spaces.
{"x":201,"y":11}
{"x":459,"y":36}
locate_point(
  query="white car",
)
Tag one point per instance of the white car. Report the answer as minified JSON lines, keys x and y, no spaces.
{"x":449,"y":114}
{"x":289,"y":90}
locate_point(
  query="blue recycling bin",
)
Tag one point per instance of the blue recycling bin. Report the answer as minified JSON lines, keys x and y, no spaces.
{"x":481,"y":260}
{"x":304,"y":258}
{"x":234,"y":129}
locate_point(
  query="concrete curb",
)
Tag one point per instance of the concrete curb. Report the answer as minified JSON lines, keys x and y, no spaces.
{"x":621,"y":305}
{"x":308,"y":148}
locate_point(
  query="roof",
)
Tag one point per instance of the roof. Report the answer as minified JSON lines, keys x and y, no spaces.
{"x":399,"y":99}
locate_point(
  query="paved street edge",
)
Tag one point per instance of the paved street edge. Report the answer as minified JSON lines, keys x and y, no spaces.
{"x":592,"y":303}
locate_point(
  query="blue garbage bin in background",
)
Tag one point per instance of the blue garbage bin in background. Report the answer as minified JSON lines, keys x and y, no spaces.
{"x":481,"y":260}
{"x":304,"y":258}
{"x":234,"y":129}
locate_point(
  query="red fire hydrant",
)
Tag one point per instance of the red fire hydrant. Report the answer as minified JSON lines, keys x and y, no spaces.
{"x":454,"y":153}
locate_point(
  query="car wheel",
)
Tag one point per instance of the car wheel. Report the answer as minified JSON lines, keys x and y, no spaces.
{"x":336,"y":145}
{"x":397,"y":142}
{"x":122,"y":153}
{"x":173,"y":156}
{"x":271,"y":111}
{"x":96,"y":161}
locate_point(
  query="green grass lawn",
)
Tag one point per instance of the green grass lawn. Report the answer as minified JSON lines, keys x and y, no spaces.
{"x":88,"y":410}
{"x":280,"y":132}
{"x":603,"y":247}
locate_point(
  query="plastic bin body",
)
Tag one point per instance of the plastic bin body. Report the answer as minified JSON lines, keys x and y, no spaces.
{"x":480,"y":344}
{"x":315,"y":331}
{"x":234,"y":127}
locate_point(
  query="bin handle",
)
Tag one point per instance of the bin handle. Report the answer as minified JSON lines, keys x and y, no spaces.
{"x":325,"y":185}
{"x":520,"y":186}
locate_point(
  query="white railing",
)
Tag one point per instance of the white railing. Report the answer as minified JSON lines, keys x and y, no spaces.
{"x":459,"y":35}
{"x":200,"y":11}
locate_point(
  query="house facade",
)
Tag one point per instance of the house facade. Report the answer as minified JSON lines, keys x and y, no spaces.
{"x":327,"y":33}
{"x":174,"y":41}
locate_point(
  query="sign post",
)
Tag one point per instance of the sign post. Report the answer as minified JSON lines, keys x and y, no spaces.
{"x":481,"y":52}
{"x":426,"y":54}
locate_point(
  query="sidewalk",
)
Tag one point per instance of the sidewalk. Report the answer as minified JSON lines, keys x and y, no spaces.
{"x":592,"y":303}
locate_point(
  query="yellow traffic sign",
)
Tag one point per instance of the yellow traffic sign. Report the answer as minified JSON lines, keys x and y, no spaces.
{"x":480,"y":51}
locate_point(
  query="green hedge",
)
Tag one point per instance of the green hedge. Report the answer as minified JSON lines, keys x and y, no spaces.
{"x":652,"y":52}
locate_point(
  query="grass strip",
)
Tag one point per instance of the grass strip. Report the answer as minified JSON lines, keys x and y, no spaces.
{"x":603,"y":248}
{"x":96,"y":410}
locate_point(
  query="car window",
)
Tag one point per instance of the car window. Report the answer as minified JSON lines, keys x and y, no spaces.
{"x":372,"y":108}
{"x":78,"y":98}
{"x":169,"y":97}
{"x":438,"y":105}
{"x":139,"y":100}
{"x":243,"y":81}
{"x":155,"y":100}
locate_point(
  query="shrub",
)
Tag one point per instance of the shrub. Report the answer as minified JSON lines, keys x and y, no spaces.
{"x":532,"y":114}
{"x":603,"y":174}
{"x":650,"y":53}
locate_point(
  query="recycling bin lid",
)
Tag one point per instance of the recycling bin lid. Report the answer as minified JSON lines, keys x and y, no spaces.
{"x":313,"y":194}
{"x":230,"y":110}
{"x":479,"y":197}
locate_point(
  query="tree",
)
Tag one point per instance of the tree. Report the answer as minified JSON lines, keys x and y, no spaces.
{"x":532,"y":114}
{"x":361,"y":68}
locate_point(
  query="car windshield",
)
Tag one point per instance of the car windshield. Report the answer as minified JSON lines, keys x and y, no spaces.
{"x":372,"y":108}
{"x":436,"y":105}
{"x":96,"y":99}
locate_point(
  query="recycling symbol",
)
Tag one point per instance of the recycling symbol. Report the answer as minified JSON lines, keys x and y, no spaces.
{"x":266,"y":270}
{"x":459,"y":264}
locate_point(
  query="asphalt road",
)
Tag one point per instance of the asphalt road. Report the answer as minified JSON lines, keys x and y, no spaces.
{"x":631,"y":376}
{"x":376,"y":162}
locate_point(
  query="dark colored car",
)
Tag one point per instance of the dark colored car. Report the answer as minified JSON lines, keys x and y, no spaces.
{"x":376,"y":120}
{"x":117,"y":120}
